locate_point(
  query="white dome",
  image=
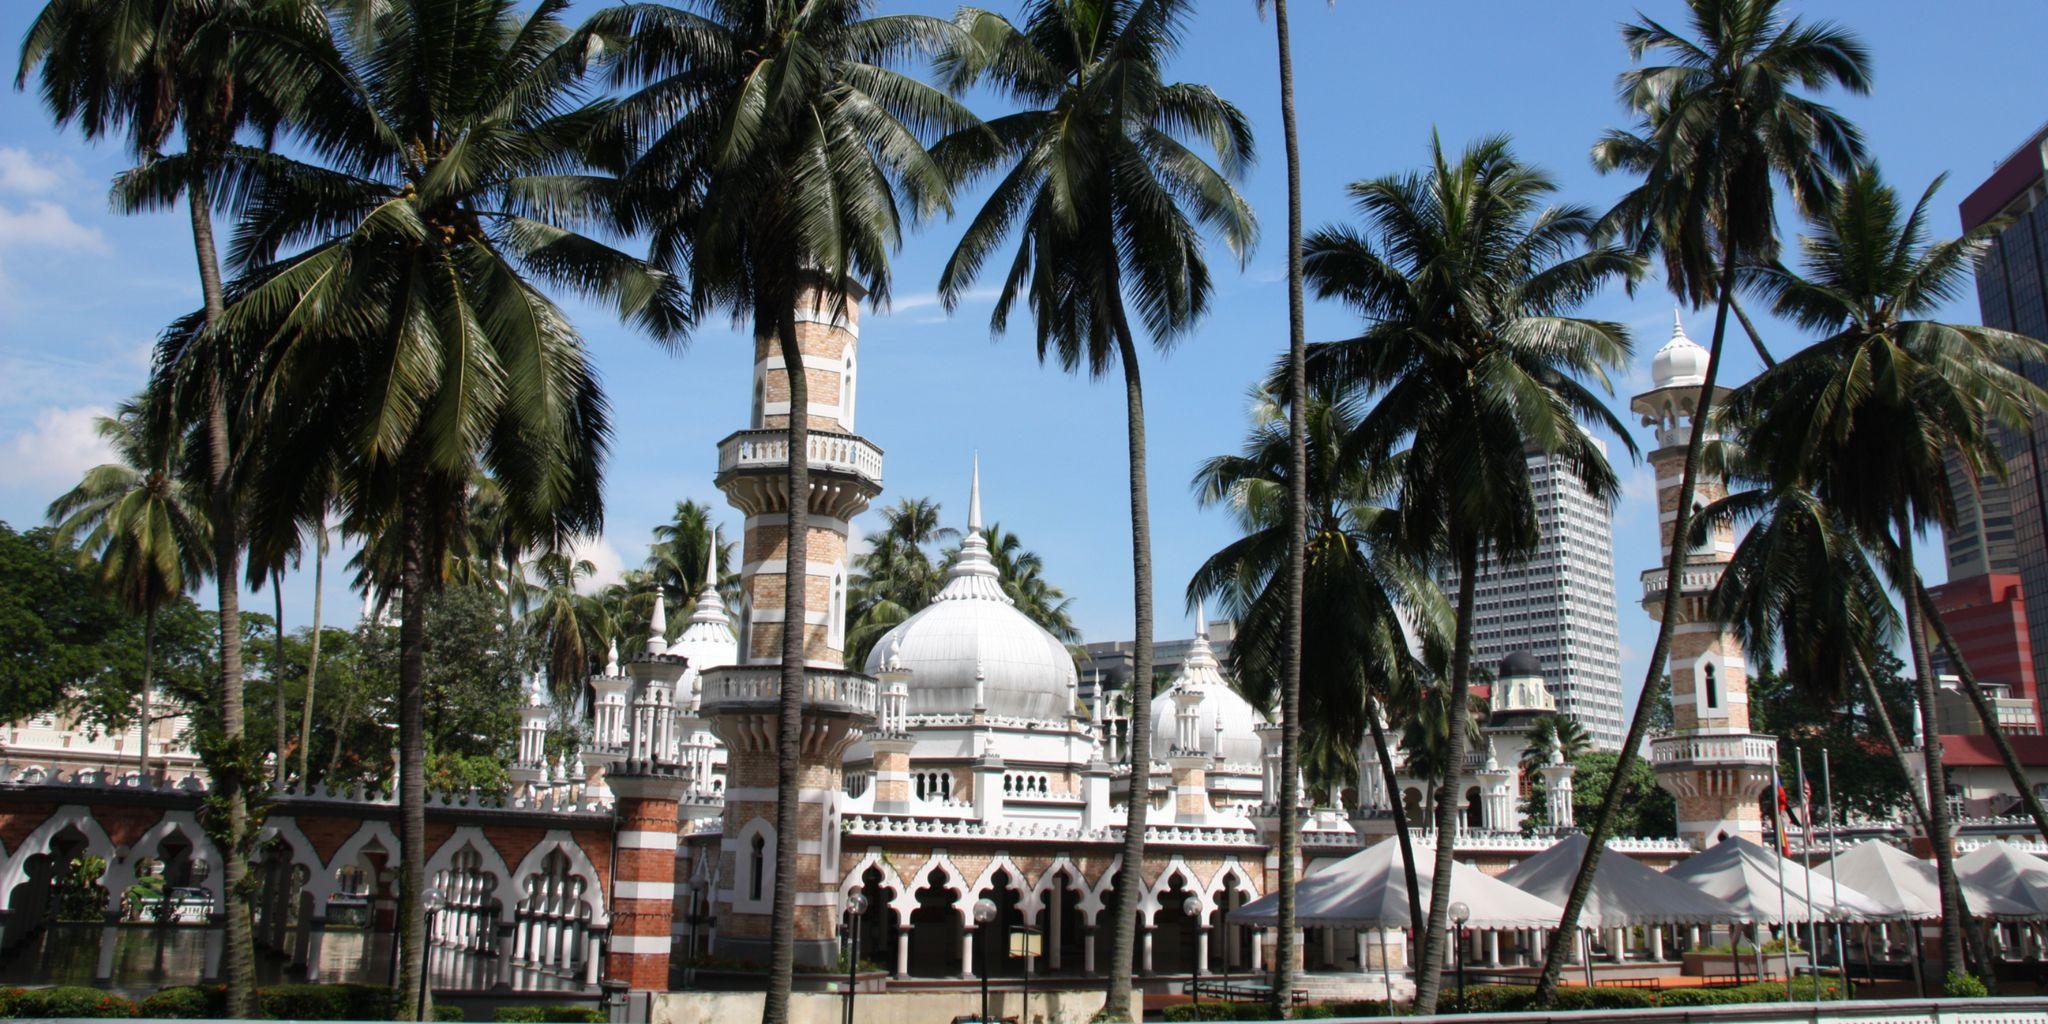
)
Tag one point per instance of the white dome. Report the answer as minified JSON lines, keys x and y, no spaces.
{"x":971,"y":645}
{"x":1681,"y":362}
{"x":1238,"y":742}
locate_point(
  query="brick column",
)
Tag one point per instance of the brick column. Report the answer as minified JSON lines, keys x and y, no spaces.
{"x":644,"y":878}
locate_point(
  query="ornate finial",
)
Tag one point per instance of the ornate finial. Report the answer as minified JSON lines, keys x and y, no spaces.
{"x":1202,"y":619}
{"x":980,"y":684}
{"x":1492,"y":757}
{"x":974,"y":497}
{"x":611,"y":661}
{"x":1677,"y":321}
{"x":657,"y":626}
{"x":892,"y":656}
{"x":1556,"y":755}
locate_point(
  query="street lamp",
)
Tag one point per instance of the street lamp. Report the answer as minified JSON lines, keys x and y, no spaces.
{"x":1460,"y":913}
{"x":856,"y":905}
{"x":433,"y":901}
{"x":984,"y":915}
{"x":1192,"y":907}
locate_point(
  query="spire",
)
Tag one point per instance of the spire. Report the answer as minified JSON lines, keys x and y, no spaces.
{"x":1677,"y":322}
{"x":1202,"y":619}
{"x":973,"y":576}
{"x":657,"y":626}
{"x":611,"y":662}
{"x":974,"y":498}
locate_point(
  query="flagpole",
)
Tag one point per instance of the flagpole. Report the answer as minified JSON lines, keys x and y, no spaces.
{"x":1827,"y":787}
{"x":1806,"y":821}
{"x":1784,"y":916}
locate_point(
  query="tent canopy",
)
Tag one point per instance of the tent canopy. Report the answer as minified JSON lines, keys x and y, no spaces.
{"x":1369,"y":889}
{"x":2015,"y":877}
{"x":1906,"y":885}
{"x":1626,"y":892}
{"x":1746,"y":875}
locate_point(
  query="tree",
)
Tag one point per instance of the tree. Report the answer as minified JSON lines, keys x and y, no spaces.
{"x":1360,"y":581}
{"x":1555,"y":736}
{"x":572,"y":627}
{"x":1650,"y":811}
{"x":896,"y":577}
{"x":1467,"y":283}
{"x":144,"y":528}
{"x":403,"y":327}
{"x":1716,"y":126}
{"x":682,"y":547}
{"x":1021,"y":573}
{"x":1098,"y":180}
{"x":1877,"y":407}
{"x":202,"y":71}
{"x":780,"y":151}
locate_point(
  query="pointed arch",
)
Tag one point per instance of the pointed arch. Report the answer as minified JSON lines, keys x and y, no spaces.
{"x":38,"y":842}
{"x":121,"y":874}
{"x":492,"y":862}
{"x":579,"y":867}
{"x":906,"y":900}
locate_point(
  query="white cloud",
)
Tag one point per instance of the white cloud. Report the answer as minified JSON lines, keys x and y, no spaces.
{"x":598,"y":551}
{"x":928,"y":300}
{"x":48,"y":227}
{"x":26,"y":173}
{"x":58,"y":449}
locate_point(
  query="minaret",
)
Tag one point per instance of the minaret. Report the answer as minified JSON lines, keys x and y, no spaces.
{"x":1711,"y":761}
{"x":741,"y":701}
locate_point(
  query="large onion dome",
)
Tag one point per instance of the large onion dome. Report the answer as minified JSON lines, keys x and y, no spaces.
{"x":971,"y":646}
{"x":1227,"y":722}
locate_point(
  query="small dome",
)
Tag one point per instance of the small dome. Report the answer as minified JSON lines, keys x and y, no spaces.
{"x":972,"y":645}
{"x":1681,"y":362}
{"x":1520,"y":663}
{"x":1228,"y":722}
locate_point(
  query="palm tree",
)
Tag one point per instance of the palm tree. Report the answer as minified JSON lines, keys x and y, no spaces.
{"x":404,"y":328}
{"x":1021,"y":573}
{"x":1099,"y":181}
{"x":781,"y":149}
{"x":1555,"y":735}
{"x":678,"y":555}
{"x":152,"y":70}
{"x":896,"y":577}
{"x":141,"y":524}
{"x":1467,"y":283}
{"x":573,"y":626}
{"x":1723,"y":119}
{"x":1294,"y":626}
{"x":1871,"y":413}
{"x":1360,"y":581}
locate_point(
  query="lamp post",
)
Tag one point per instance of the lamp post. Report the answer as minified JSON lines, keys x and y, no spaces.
{"x":1460,"y":913}
{"x":856,"y":905}
{"x":984,"y":915}
{"x":433,"y":900}
{"x":1192,"y":907}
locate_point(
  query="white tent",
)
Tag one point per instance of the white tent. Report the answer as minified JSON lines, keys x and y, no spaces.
{"x":1625,"y":893}
{"x":2013,"y":875}
{"x":1369,"y":889}
{"x":1746,"y":875}
{"x":1906,"y":885}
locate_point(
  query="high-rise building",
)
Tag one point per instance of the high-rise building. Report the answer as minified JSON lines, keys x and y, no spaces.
{"x":2002,"y":527}
{"x":1558,"y":604}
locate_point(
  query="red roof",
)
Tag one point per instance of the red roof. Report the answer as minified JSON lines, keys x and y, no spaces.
{"x":1977,"y":751}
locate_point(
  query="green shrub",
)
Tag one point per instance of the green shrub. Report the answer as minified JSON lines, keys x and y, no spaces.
{"x":1964,"y":985}
{"x":7,"y":998}
{"x":1313,"y":1011}
{"x":1363,"y":1008}
{"x":325,"y":1002}
{"x":69,"y":1001}
{"x":447,"y":1012}
{"x":1495,"y":998}
{"x":188,"y":1002}
{"x":1219,"y":1010}
{"x":565,"y":1013}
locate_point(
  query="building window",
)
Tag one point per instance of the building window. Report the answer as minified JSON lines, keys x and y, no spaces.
{"x":757,"y":867}
{"x":1713,"y":688}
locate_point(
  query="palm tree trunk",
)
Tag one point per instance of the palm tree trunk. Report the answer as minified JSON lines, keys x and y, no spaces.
{"x":313,"y":652}
{"x":1297,"y":516}
{"x":1940,"y":833}
{"x":1393,"y":783}
{"x":277,"y":679}
{"x":1986,"y":714}
{"x":1654,"y":679}
{"x":1429,"y":970}
{"x":238,"y":953}
{"x":412,"y":746}
{"x":790,"y":712}
{"x":148,"y":683}
{"x":1130,"y":877}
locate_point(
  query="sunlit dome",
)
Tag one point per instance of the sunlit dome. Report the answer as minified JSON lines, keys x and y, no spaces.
{"x":971,"y":645}
{"x":708,"y":641}
{"x":1681,"y":362}
{"x":1237,"y":742}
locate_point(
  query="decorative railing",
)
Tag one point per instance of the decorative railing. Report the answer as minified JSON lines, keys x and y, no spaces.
{"x":557,"y":798}
{"x":1730,"y":749}
{"x":827,"y":450}
{"x":1692,"y":580}
{"x":829,"y":688}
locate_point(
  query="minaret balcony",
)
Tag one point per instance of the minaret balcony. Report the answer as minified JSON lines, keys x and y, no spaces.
{"x":1713,"y":750}
{"x":846,"y":471}
{"x":1696,"y":580}
{"x":748,"y":689}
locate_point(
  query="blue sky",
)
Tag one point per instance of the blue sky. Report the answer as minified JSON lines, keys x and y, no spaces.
{"x":83,"y":292}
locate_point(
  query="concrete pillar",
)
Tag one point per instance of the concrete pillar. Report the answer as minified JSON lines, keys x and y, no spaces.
{"x":110,"y":942}
{"x":1657,"y":942}
{"x":1145,"y":951}
{"x":506,"y":961}
{"x":1053,"y":919}
{"x":1492,"y":948}
{"x":315,"y":941}
{"x":1259,"y":953}
{"x":967,"y":952}
{"x":1202,"y":950}
{"x":1088,"y":951}
{"x":216,"y":925}
{"x":903,"y":952}
{"x":1620,"y":941}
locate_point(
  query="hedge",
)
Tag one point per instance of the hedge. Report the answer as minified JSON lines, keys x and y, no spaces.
{"x":63,"y":1001}
{"x":325,"y":1002}
{"x":188,"y":1002}
{"x":1519,"y":998}
{"x":447,"y":1012}
{"x":565,"y":1013}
